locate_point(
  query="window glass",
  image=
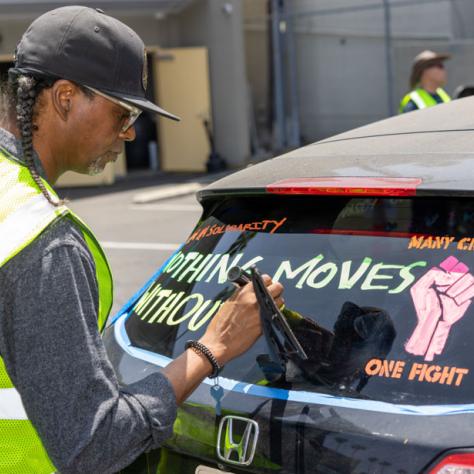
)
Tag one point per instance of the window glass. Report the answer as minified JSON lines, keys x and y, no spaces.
{"x":378,"y":292}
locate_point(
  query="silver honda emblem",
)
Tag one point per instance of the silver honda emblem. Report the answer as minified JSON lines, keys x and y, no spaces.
{"x":237,"y":440}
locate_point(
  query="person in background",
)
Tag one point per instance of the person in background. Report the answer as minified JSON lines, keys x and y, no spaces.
{"x":428,"y":76}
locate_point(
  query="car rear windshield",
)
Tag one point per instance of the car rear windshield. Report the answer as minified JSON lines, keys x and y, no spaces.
{"x":377,"y":291}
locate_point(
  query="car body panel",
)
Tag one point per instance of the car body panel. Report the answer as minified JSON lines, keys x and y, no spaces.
{"x":305,"y":437}
{"x":436,"y":145}
{"x":303,"y":432}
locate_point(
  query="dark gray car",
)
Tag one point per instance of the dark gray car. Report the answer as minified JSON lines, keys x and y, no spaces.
{"x":372,"y":235}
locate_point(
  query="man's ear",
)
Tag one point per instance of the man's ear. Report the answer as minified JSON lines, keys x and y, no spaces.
{"x":63,"y":95}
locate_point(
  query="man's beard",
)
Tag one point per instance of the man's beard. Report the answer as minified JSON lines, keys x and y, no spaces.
{"x":98,"y":165}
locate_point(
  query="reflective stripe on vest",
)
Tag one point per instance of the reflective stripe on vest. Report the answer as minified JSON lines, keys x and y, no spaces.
{"x":424,"y":99}
{"x":21,"y":227}
{"x":444,"y":95}
{"x":11,"y":406}
{"x":24,"y":214}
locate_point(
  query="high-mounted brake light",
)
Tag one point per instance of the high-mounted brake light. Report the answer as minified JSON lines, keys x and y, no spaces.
{"x":456,"y":463}
{"x":355,"y":186}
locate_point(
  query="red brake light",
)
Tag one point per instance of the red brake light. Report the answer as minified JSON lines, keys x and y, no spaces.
{"x":458,"y":463}
{"x":355,"y":186}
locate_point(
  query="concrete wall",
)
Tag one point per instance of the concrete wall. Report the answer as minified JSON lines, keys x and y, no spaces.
{"x":340,"y":57}
{"x":462,"y":16}
{"x":217,"y":25}
{"x":339,"y":87}
{"x":407,"y":20}
{"x":11,"y":32}
{"x":153,"y":31}
{"x":257,"y":57}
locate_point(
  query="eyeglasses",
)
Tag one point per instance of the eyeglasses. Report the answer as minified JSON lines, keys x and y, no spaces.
{"x":134,"y":112}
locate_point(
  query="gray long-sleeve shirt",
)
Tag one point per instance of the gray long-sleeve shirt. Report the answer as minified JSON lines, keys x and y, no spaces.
{"x":55,"y":357}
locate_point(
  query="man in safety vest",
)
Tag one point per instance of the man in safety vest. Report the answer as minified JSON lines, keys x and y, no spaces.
{"x":428,"y":76}
{"x":77,"y":87}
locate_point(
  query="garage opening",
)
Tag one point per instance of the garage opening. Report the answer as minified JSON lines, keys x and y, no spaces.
{"x":143,"y":152}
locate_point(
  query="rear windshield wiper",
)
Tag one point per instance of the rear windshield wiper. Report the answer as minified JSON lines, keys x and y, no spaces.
{"x":282,"y":342}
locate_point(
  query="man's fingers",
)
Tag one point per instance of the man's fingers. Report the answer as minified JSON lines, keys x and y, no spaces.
{"x":280,"y":302}
{"x":275,"y":289}
{"x":266,"y":279}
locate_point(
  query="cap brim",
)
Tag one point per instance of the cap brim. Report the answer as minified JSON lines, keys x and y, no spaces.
{"x":436,"y":59}
{"x":140,"y":102}
{"x":143,"y":104}
{"x":442,"y":57}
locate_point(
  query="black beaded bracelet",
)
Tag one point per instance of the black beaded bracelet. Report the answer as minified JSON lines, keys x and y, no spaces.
{"x":200,"y":348}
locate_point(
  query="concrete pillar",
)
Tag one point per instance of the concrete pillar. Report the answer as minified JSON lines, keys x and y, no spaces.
{"x":217,"y":24}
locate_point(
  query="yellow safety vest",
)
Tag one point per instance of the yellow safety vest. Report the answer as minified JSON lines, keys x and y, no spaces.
{"x":24,"y":214}
{"x":423,"y":99}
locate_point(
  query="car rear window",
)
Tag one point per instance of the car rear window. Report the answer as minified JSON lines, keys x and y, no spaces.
{"x":378,"y":292}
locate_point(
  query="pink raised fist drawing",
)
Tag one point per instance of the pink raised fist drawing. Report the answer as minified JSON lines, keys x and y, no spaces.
{"x":441,"y":298}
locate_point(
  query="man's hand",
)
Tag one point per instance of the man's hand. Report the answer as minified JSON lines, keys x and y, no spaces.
{"x":441,"y":297}
{"x":236,"y":326}
{"x":232,"y":331}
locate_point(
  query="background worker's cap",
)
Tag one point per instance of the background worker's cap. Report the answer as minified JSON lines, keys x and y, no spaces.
{"x":423,"y":61}
{"x":86,"y":46}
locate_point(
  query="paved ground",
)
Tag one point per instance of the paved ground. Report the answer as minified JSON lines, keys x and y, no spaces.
{"x":137,"y":238}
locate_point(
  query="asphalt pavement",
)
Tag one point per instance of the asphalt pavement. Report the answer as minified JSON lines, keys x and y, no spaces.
{"x":140,"y":221}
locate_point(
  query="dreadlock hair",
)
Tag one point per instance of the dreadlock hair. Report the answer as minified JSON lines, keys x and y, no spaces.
{"x":25,"y":91}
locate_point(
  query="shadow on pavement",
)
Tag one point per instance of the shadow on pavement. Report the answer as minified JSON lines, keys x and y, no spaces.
{"x":137,"y":181}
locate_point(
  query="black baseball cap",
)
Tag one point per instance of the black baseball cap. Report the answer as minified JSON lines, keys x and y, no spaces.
{"x":87,"y":46}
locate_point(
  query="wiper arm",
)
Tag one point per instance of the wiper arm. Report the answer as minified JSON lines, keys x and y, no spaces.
{"x":282,"y":342}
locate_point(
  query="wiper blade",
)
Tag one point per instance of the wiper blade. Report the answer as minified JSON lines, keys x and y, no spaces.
{"x":282,"y":342}
{"x":277,"y":326}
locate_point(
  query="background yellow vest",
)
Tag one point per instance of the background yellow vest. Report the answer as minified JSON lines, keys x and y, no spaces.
{"x":423,"y":99}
